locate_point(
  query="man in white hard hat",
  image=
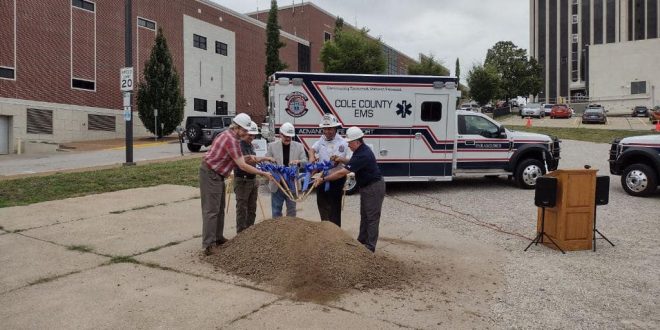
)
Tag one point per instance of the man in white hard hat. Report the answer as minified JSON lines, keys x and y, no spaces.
{"x":369,"y":180}
{"x":246,"y":188}
{"x":286,"y":152}
{"x":218,"y":162}
{"x":329,"y":146}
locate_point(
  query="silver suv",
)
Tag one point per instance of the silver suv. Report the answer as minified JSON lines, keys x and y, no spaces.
{"x":532,"y":110}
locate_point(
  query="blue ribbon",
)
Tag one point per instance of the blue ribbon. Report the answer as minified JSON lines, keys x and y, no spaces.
{"x":291,"y":173}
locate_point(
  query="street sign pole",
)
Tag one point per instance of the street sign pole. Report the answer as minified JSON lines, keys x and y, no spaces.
{"x":156,"y":124}
{"x":128,"y":59}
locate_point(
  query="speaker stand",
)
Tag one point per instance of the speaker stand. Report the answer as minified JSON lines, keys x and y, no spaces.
{"x":539,"y":235}
{"x":598,"y":231}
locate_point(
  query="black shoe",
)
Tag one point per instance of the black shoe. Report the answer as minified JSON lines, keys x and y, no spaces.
{"x":221,"y":241}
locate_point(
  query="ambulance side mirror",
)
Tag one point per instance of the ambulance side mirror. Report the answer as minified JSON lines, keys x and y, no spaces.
{"x":501,"y":132}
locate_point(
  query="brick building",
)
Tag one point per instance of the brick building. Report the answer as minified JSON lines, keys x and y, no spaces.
{"x":60,"y":62}
{"x":313,"y":23}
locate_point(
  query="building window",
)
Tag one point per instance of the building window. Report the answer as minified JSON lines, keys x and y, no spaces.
{"x":327,"y":36}
{"x":7,"y":73}
{"x":638,"y":87}
{"x":151,"y":25}
{"x":575,"y":38}
{"x":199,"y":41}
{"x":575,"y":19}
{"x":83,"y":84}
{"x":221,"y":48}
{"x":431,"y":111}
{"x":200,"y":105}
{"x":86,"y":5}
{"x":221,"y":108}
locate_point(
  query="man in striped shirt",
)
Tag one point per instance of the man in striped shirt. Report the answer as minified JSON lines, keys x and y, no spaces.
{"x":223,"y":156}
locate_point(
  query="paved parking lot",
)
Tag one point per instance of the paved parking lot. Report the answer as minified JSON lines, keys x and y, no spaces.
{"x":469,"y":233}
{"x":629,"y":123}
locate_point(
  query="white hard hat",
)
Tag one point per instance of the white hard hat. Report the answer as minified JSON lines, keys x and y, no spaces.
{"x":243,"y":120}
{"x":329,"y":121}
{"x":287,"y":129}
{"x":254,"y":129}
{"x":353,"y":133}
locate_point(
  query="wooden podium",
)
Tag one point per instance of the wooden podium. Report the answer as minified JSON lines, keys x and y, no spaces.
{"x":570,"y":222}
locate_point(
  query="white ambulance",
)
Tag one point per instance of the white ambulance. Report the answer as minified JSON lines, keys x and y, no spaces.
{"x":412,"y":125}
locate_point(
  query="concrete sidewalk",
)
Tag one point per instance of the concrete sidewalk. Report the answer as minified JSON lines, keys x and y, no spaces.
{"x":87,"y":155}
{"x":132,"y":259}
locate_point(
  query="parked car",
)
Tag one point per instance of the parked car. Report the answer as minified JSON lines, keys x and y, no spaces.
{"x":201,"y":130}
{"x":470,"y":107}
{"x":533,"y":110}
{"x":640,"y":111}
{"x":560,"y":111}
{"x":488,"y":108}
{"x":594,"y":115}
{"x":654,"y":115}
{"x":547,"y":107}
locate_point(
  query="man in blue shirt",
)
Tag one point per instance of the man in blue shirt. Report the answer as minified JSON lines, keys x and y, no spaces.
{"x":369,"y":180}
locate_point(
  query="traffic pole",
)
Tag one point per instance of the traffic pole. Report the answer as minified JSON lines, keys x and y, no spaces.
{"x":128,"y":60}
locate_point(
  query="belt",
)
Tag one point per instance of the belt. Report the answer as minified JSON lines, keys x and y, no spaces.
{"x":222,"y":177}
{"x":244,"y":176}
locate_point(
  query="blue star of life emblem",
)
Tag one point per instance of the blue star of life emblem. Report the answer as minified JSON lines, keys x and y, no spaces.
{"x":404,"y":109}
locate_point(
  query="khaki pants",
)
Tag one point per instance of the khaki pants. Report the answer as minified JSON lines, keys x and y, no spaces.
{"x":246,"y":191}
{"x":212,"y":192}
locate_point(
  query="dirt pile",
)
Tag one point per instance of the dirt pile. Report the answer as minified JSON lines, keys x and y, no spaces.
{"x":309,"y":260}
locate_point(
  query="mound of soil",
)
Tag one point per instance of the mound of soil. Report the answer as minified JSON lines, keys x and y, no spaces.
{"x":314,"y":261}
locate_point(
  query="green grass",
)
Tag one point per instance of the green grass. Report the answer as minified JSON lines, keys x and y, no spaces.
{"x":581,"y":134}
{"x":37,"y":189}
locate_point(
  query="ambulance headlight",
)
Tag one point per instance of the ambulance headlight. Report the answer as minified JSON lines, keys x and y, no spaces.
{"x":283,"y":81}
{"x":450,"y":85}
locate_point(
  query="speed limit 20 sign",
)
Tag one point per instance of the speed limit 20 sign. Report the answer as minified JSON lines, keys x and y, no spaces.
{"x":126,"y":79}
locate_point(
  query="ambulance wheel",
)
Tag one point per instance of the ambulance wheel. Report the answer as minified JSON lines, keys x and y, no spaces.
{"x":527,"y":173}
{"x":351,"y":186}
{"x":638,"y":180}
{"x":194,"y":147}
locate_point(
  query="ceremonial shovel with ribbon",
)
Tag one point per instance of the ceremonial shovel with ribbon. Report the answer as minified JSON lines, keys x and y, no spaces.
{"x":294,"y":180}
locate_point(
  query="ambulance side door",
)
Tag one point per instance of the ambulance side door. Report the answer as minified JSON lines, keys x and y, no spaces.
{"x":430,"y":152}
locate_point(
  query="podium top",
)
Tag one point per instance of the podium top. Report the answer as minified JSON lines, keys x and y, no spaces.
{"x":572,"y":171}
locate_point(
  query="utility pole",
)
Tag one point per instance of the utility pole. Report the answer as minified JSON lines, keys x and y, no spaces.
{"x":128,"y":60}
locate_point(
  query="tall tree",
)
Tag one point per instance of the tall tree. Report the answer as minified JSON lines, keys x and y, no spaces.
{"x":532,"y":84}
{"x":428,"y":66}
{"x":510,"y":62}
{"x":353,"y":51}
{"x":273,"y":45}
{"x":457,"y":71}
{"x":160,"y":90}
{"x":483,"y":82}
{"x":339,"y":25}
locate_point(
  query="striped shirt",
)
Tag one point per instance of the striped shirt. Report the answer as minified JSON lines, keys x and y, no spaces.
{"x":223,"y":153}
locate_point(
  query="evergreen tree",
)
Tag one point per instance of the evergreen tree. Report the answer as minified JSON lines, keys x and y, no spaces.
{"x":160,"y":90}
{"x":457,"y":71}
{"x":273,"y":45}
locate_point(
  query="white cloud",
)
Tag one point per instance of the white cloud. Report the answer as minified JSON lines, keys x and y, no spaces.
{"x":448,"y":29}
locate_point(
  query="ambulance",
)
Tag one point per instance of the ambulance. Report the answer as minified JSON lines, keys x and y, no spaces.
{"x":412,"y":125}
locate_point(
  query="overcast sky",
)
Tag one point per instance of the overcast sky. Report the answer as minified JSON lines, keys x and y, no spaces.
{"x":447,"y":29}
